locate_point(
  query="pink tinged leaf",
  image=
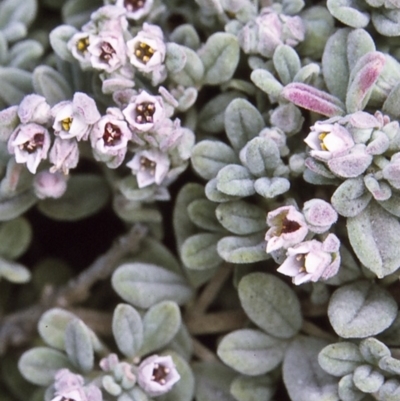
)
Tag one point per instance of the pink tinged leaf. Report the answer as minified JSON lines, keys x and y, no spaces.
{"x":313,"y":99}
{"x":363,"y":76}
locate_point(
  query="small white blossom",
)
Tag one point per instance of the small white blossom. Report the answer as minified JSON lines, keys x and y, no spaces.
{"x":75,"y":119}
{"x":288,"y":227}
{"x":109,"y":138}
{"x":107,"y":51}
{"x":328,"y":140}
{"x":30,"y":144}
{"x":64,"y":155}
{"x":34,"y":109}
{"x":144,"y":112}
{"x":78,"y":45}
{"x":157,"y":375}
{"x":147,"y":52}
{"x":49,"y":185}
{"x":135,"y":9}
{"x":312,"y":260}
{"x":149,"y":166}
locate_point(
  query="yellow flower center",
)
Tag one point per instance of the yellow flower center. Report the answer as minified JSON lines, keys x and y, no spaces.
{"x":66,"y":123}
{"x":82,"y":45}
{"x":144,"y":52}
{"x":321,"y":137}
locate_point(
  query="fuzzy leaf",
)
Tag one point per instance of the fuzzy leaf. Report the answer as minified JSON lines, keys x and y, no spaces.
{"x":286,"y":62}
{"x":202,"y":213}
{"x":271,"y":188}
{"x":14,"y":272}
{"x":12,"y":207}
{"x":160,"y":325}
{"x":199,"y":252}
{"x":144,"y":285}
{"x":340,"y":359}
{"x":86,"y":194}
{"x":220,"y":56}
{"x":15,"y":237}
{"x":208,"y":157}
{"x":303,"y":377}
{"x":243,"y":122}
{"x":374,"y":234}
{"x":245,"y":388}
{"x":127,"y":329}
{"x":373,"y":350}
{"x":241,"y":250}
{"x":251,"y":352}
{"x":264,"y":80}
{"x":59,"y":38}
{"x":78,"y":345}
{"x":271,"y":304}
{"x":387,"y":21}
{"x":235,"y":180}
{"x":367,"y":379}
{"x":348,"y":391}
{"x":390,"y":391}
{"x":361,"y":309}
{"x":262,"y":156}
{"x":40,"y":364}
{"x":350,"y":12}
{"x":241,"y":217}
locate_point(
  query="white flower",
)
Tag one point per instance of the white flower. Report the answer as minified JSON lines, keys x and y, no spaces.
{"x":135,"y":9}
{"x":49,"y":185}
{"x":109,"y":138}
{"x":75,"y":119}
{"x":312,"y":260}
{"x":30,"y":144}
{"x":157,"y":375}
{"x":147,"y":51}
{"x":149,"y":166}
{"x":107,"y":51}
{"x":144,"y":112}
{"x":288,"y":227}
{"x":34,"y":109}
{"x":78,"y":46}
{"x":328,"y":140}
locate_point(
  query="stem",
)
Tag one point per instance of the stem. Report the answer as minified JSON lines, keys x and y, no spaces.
{"x":314,"y":330}
{"x":18,"y":328}
{"x":202,"y":352}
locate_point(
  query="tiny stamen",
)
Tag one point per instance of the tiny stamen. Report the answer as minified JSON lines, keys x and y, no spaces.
{"x":133,"y":5}
{"x":160,"y":373}
{"x":36,"y":142}
{"x":107,"y":51}
{"x":144,"y":52}
{"x":112,"y":134}
{"x":82,"y":45}
{"x":66,"y":123}
{"x":145,"y":112}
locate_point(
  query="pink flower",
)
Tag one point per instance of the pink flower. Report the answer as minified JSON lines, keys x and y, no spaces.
{"x":288,"y":227}
{"x":312,"y":260}
{"x":30,"y":143}
{"x":157,"y":375}
{"x":109,"y":138}
{"x":64,"y":154}
{"x":144,"y":112}
{"x":49,"y":185}
{"x":75,"y":119}
{"x":328,"y":140}
{"x":150,"y":167}
{"x":320,"y":215}
{"x":34,"y":109}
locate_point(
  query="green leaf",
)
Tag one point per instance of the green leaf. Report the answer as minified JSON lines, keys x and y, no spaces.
{"x":199,"y":252}
{"x":14,"y":272}
{"x":245,"y":388}
{"x":241,"y":217}
{"x":303,"y":377}
{"x":349,"y":12}
{"x":241,"y":250}
{"x":367,"y":379}
{"x":52,"y":326}
{"x":374,"y":235}
{"x":361,"y":309}
{"x":160,"y":325}
{"x":348,"y":391}
{"x":235,"y":180}
{"x":59,"y":38}
{"x":127,"y":328}
{"x":373,"y":350}
{"x":51,"y":84}
{"x":220,"y":56}
{"x":202,"y":213}
{"x":40,"y":364}
{"x":340,"y":359}
{"x":12,"y":207}
{"x":270,"y":304}
{"x":264,"y":80}
{"x":243,"y":122}
{"x":208,"y":157}
{"x":15,"y":237}
{"x":144,"y":285}
{"x":390,"y":391}
{"x":78,"y":345}
{"x":286,"y":62}
{"x":251,"y":352}
{"x":86,"y":195}
{"x":262,"y":156}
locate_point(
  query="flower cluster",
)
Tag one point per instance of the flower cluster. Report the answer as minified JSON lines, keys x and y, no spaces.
{"x":107,"y":45}
{"x":309,"y":260}
{"x":141,"y":125}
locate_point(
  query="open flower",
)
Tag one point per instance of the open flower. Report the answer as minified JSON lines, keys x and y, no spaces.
{"x":107,"y":51}
{"x":312,"y":260}
{"x":144,"y":112}
{"x":149,"y":166}
{"x":109,"y":138}
{"x":157,"y":375}
{"x":30,"y":143}
{"x":147,"y":51}
{"x":78,"y":45}
{"x":288,"y":228}
{"x":328,"y":140}
{"x":75,"y":119}
{"x":135,"y":9}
